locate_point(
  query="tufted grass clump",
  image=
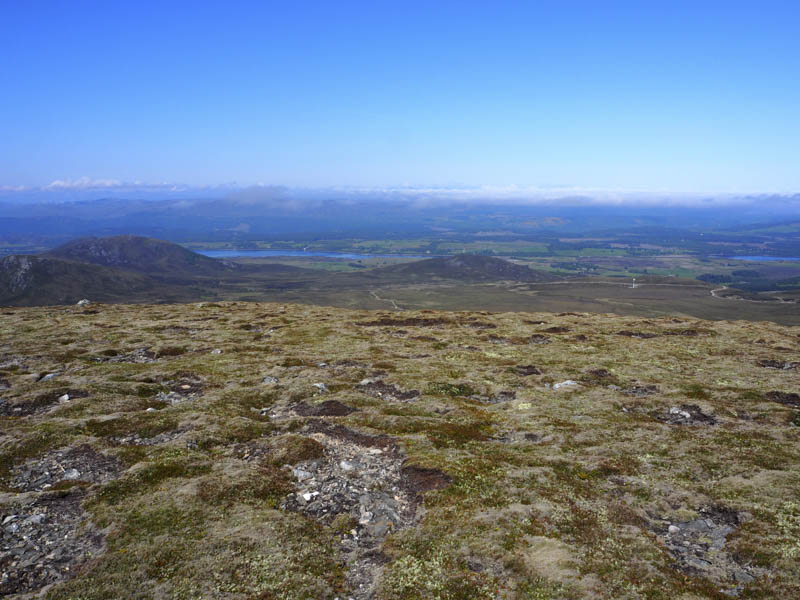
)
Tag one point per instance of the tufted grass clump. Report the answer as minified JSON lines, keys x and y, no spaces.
{"x":292,"y":449}
{"x":434,"y":576}
{"x":450,"y":434}
{"x":142,"y":423}
{"x":299,"y":564}
{"x":264,"y":487}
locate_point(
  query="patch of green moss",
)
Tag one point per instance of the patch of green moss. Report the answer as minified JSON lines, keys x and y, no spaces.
{"x":143,"y":424}
{"x":696,"y":391}
{"x":150,"y":476}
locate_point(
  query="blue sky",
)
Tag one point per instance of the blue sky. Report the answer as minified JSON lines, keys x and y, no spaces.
{"x":654,"y":96}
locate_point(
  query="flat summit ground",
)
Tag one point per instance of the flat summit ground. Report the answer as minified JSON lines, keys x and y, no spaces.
{"x":276,"y":451}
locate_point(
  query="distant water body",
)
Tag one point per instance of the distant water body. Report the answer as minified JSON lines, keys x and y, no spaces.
{"x":275,"y":253}
{"x":766,"y":258}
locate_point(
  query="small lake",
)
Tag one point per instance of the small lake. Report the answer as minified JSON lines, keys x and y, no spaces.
{"x":276,"y":253}
{"x":766,"y":258}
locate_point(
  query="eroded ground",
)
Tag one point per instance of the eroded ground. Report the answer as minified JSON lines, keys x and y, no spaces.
{"x":244,"y":450}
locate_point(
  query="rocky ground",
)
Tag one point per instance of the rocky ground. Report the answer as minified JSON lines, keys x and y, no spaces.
{"x":244,"y":450}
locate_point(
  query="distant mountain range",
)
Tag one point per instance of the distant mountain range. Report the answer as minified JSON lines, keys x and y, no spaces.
{"x":289,"y":215}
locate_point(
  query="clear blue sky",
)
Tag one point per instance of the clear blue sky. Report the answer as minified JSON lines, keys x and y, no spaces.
{"x":681,"y":96}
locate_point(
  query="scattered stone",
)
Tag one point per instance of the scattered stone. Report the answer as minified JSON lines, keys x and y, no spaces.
{"x":171,"y":398}
{"x":301,"y":474}
{"x":786,"y":398}
{"x":321,"y":387}
{"x":270,"y":379}
{"x":84,"y":302}
{"x":216,"y":351}
{"x":329,"y":408}
{"x":82,"y":463}
{"x":45,"y":543}
{"x":138,"y":356}
{"x":504,"y":396}
{"x":527,"y":370}
{"x":600,"y":373}
{"x":778,"y":364}
{"x":567,"y":383}
{"x":14,"y":362}
{"x":364,"y":487}
{"x":642,"y":335}
{"x":188,"y":387}
{"x":135,"y":439}
{"x":640,"y":391}
{"x":538,"y":338}
{"x":4,"y":384}
{"x":378,"y":389}
{"x":683,"y":332}
{"x":685,"y":414}
{"x":509,"y":437}
{"x":63,"y":398}
{"x":71,"y":474}
{"x":48,"y":377}
{"x":698,"y":547}
{"x":39,"y":404}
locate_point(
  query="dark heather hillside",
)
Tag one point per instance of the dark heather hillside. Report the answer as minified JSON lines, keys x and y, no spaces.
{"x":466,"y":267}
{"x":146,"y":255}
{"x":40,"y":280}
{"x":244,"y":451}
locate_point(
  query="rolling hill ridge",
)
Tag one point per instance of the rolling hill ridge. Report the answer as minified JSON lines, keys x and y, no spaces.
{"x":136,"y":253}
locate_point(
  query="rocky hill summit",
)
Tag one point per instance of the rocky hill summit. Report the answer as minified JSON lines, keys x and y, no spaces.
{"x":263,"y":450}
